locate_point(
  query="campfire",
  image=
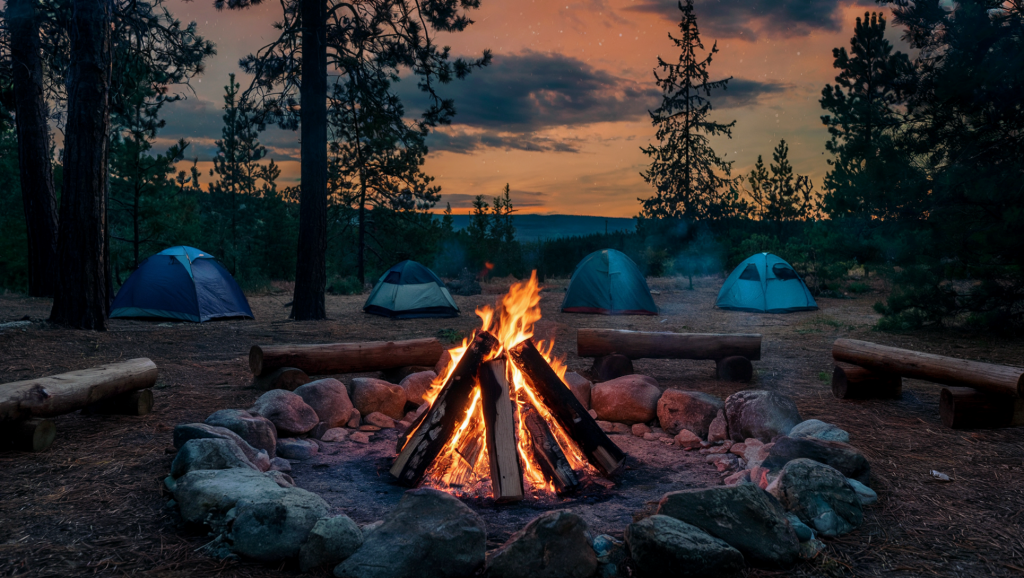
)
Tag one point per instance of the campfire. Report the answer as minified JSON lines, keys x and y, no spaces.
{"x":501,"y":415}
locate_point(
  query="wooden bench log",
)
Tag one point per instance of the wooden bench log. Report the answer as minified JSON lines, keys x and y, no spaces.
{"x":656,"y":345}
{"x":967,"y":408}
{"x":68,"y":392}
{"x":287,"y":378}
{"x":131,"y":403}
{"x":333,"y":358}
{"x":989,"y":377}
{"x":855,"y":382}
{"x":30,"y":435}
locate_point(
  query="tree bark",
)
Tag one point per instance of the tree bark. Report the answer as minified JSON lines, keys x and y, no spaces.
{"x":80,"y":297}
{"x":35,"y":170}
{"x":332,"y":358}
{"x":654,"y":345}
{"x":311,"y":264}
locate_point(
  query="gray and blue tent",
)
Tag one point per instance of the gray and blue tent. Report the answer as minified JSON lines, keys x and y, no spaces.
{"x":765,"y":283}
{"x":180,"y":283}
{"x":608,"y":282}
{"x":409,"y":291}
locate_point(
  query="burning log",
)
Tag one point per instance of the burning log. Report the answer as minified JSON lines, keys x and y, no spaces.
{"x":855,"y":382}
{"x":655,"y":345}
{"x":566,"y":409}
{"x":333,"y":358}
{"x":546,"y":451}
{"x":439,"y":423}
{"x":966,"y":408}
{"x":988,"y":377}
{"x":67,"y":392}
{"x":500,"y":433}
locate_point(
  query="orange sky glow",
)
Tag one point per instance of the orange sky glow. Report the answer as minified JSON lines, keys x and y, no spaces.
{"x":562,"y":112}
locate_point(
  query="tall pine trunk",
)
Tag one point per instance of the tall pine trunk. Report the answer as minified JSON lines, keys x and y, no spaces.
{"x":36,"y":173}
{"x":80,"y":299}
{"x":311,"y":264}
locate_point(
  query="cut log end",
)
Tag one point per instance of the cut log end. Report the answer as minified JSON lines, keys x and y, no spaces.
{"x":132,"y":403}
{"x":734,"y":368}
{"x":31,"y":435}
{"x":854,"y":382}
{"x":256,"y":360}
{"x":968,"y":408}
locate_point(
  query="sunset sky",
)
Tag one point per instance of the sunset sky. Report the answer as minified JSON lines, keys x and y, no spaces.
{"x":561,"y":113}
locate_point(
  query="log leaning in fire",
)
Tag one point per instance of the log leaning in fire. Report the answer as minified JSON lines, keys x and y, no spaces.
{"x":447,"y":411}
{"x":657,"y":345}
{"x":988,"y":377}
{"x":333,"y":358}
{"x":67,"y":392}
{"x":567,"y":410}
{"x":500,"y":433}
{"x":967,"y":408}
{"x":547,"y":453}
{"x":855,"y":382}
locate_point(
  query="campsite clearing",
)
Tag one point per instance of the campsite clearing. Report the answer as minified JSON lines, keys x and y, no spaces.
{"x":94,"y":504}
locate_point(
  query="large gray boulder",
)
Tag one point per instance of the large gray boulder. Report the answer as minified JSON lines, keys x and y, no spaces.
{"x":286,"y":410}
{"x":416,"y":385}
{"x":761,"y":414}
{"x":628,"y":399}
{"x":370,"y":395}
{"x":329,"y":399}
{"x":553,"y":545}
{"x":580,"y":387}
{"x":691,"y":410}
{"x":843,"y":457}
{"x":663,"y":546}
{"x":257,"y":431}
{"x":205,"y":496}
{"x":429,"y":533}
{"x":190,"y":431}
{"x":331,"y":541}
{"x":819,"y":495}
{"x":744,"y":516}
{"x":273,"y":528}
{"x":817,"y":429}
{"x":209,"y":454}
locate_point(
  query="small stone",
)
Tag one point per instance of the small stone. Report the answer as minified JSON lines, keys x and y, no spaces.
{"x":738,"y":449}
{"x":606,"y":426}
{"x":620,"y":428}
{"x":282,"y":479}
{"x":369,"y":428}
{"x":593,"y":413}
{"x":810,"y":549}
{"x":280,"y":465}
{"x":718,"y":430}
{"x":360,"y":437}
{"x":757,"y":454}
{"x":650,"y":437}
{"x":402,"y":425}
{"x":639,"y":429}
{"x":740,"y":477}
{"x":867,"y":495}
{"x":666,"y":440}
{"x":818,"y":429}
{"x":380,"y":420}
{"x":335,"y":434}
{"x":687,"y":440}
{"x":354,"y":419}
{"x":722,"y":449}
{"x":296,"y":448}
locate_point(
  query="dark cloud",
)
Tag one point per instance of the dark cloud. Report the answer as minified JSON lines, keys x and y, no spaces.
{"x":742,"y":92}
{"x":520,"y":199}
{"x":200,"y":122}
{"x":750,"y":18}
{"x":465,"y":143}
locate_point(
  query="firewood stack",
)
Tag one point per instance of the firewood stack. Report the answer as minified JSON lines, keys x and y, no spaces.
{"x":438,"y":426}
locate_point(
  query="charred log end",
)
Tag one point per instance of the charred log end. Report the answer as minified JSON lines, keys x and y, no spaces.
{"x":734,"y":368}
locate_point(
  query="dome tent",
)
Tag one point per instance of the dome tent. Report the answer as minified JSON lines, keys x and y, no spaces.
{"x":180,"y":283}
{"x":409,"y":290}
{"x":608,"y":282}
{"x":765,"y":283}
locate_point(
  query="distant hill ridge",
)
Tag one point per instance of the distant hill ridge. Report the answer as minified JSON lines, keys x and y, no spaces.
{"x":540,"y":227}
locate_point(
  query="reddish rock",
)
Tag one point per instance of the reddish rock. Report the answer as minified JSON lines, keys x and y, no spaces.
{"x":354,"y":419}
{"x":329,"y":399}
{"x":442,"y":363}
{"x":606,"y":426}
{"x":416,"y":385}
{"x":380,"y":420}
{"x":580,"y":387}
{"x":620,"y":428}
{"x":687,"y":440}
{"x":719,"y":428}
{"x":369,"y":428}
{"x":692,"y":410}
{"x":640,"y":429}
{"x":286,"y":410}
{"x":629,"y":399}
{"x":360,"y":437}
{"x":370,"y":395}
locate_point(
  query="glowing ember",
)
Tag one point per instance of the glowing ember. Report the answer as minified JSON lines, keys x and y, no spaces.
{"x":462,"y":466}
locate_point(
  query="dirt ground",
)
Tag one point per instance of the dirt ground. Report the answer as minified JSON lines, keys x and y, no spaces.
{"x":94,"y":503}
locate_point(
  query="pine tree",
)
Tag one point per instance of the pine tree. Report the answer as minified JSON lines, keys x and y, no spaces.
{"x":690,"y":179}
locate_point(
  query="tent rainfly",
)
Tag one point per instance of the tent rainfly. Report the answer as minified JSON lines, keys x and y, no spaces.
{"x":180,"y":283}
{"x":765,"y":283}
{"x":410,"y":290}
{"x":608,"y":282}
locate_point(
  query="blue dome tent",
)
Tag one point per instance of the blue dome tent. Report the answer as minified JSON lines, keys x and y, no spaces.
{"x":608,"y":282}
{"x":180,"y":283}
{"x":410,"y":290}
{"x":765,"y":283}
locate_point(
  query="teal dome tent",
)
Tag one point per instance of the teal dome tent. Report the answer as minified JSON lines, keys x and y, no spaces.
{"x":608,"y":282}
{"x":765,"y":283}
{"x":408,"y":291}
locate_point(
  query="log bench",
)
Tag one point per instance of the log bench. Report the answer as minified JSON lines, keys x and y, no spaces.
{"x":115,"y":388}
{"x":335,"y":358}
{"x":979,"y":394}
{"x":732,"y":353}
